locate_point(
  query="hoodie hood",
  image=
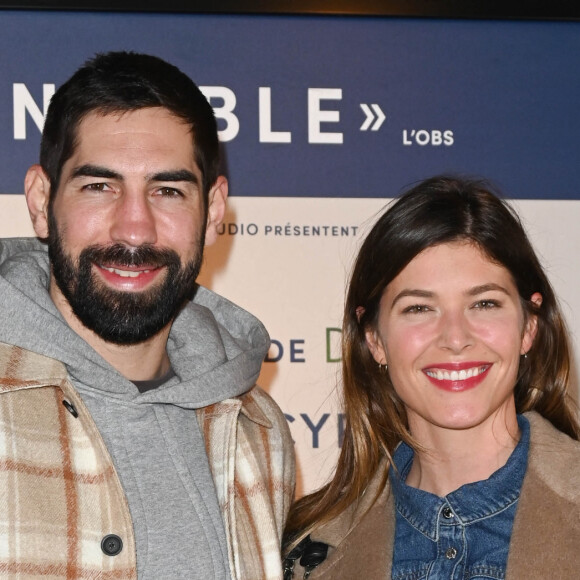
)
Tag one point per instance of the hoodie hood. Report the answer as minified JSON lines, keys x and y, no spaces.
{"x":216,"y":348}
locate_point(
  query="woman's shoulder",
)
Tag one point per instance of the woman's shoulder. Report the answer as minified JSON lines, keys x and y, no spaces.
{"x":554,"y":457}
{"x":357,"y":543}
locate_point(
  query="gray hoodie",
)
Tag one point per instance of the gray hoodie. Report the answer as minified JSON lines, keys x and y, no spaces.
{"x":216,"y":350}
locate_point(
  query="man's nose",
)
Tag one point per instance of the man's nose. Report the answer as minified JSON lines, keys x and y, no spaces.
{"x":134,"y":220}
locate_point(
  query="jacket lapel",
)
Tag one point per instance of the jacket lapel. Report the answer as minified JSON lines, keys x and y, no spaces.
{"x":361,"y":539}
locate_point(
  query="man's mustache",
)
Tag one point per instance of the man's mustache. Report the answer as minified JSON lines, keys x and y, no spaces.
{"x":121,"y":255}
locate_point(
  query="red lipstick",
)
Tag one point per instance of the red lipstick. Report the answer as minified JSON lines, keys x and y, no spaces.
{"x":457,"y":377}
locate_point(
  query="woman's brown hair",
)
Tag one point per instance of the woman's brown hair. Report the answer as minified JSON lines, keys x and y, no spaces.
{"x":439,"y":210}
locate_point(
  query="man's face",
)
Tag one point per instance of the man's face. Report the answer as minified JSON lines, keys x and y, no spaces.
{"x":127,"y":225}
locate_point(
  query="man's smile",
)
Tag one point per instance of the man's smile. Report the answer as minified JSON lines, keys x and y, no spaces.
{"x":124,"y":273}
{"x":129,"y":278}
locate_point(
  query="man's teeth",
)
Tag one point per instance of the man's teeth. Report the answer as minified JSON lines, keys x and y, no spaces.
{"x":126,"y":273}
{"x":461,"y":375}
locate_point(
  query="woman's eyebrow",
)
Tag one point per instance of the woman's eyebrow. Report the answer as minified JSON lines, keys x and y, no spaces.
{"x":414,"y":293}
{"x":480,"y":289}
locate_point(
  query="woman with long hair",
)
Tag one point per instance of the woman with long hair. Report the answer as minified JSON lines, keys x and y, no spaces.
{"x":460,"y":457}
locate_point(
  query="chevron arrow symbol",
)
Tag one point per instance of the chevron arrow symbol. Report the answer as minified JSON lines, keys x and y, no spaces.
{"x":370,"y":117}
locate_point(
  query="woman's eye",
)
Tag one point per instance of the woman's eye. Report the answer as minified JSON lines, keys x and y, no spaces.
{"x":486,"y":304}
{"x":416,"y":309}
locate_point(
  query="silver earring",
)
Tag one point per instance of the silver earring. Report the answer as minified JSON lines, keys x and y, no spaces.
{"x":383,"y":368}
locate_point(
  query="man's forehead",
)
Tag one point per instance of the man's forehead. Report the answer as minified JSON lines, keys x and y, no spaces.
{"x":149,"y":116}
{"x":147,"y":134}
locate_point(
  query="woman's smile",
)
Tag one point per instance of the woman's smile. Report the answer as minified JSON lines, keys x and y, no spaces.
{"x":457,"y":376}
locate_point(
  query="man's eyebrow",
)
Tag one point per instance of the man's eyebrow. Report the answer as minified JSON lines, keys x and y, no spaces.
{"x":176,"y":175}
{"x":89,"y":170}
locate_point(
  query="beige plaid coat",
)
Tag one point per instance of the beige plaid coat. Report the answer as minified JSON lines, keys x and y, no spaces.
{"x":60,"y":496}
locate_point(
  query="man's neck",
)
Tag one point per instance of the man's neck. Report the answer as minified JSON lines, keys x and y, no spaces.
{"x":138,"y":362}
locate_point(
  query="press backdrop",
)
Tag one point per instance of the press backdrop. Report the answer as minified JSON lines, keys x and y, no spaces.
{"x":323,"y":120}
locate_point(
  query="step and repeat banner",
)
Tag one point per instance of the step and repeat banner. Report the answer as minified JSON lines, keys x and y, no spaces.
{"x":323,"y":120}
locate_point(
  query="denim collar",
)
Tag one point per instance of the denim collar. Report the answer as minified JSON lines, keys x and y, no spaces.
{"x":471,"y":502}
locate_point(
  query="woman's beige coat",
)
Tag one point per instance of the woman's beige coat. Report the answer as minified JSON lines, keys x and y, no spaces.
{"x":545,"y":543}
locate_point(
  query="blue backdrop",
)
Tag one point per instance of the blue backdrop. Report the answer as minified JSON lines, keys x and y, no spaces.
{"x":494,"y":98}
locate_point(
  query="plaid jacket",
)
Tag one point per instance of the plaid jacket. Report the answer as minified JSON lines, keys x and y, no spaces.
{"x":62,"y":507}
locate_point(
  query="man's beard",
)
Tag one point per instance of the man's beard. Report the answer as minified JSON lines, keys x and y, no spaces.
{"x":123,"y":317}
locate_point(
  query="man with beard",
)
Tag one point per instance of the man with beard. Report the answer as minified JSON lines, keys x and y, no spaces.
{"x":133,"y":440}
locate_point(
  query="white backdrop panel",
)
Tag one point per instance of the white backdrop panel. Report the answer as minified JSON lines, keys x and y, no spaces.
{"x":287,"y":261}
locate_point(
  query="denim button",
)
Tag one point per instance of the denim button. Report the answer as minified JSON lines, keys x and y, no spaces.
{"x":111,"y":545}
{"x":450,"y":553}
{"x":447,"y":513}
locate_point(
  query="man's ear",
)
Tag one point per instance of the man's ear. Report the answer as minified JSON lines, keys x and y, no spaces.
{"x":37,"y":191}
{"x":216,"y":209}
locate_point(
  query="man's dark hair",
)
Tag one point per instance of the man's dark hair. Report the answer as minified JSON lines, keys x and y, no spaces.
{"x":117,"y":82}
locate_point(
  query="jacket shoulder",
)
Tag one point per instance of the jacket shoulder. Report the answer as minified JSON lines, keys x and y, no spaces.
{"x":20,"y":368}
{"x":546,"y":530}
{"x":251,"y":455}
{"x":360,"y":539}
{"x":257,"y":402}
{"x":554,"y":458}
{"x":267,"y":430}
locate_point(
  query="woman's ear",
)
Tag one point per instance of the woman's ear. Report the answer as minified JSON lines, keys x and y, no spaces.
{"x":531,"y":327}
{"x":375,"y":345}
{"x":37,"y":191}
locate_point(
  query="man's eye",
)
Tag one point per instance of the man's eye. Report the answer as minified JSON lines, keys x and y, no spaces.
{"x":96,"y":187}
{"x":170,"y":192}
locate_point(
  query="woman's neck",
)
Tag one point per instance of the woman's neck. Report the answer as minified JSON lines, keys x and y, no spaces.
{"x":451,"y":458}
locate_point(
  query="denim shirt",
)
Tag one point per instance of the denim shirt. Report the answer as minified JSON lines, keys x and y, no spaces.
{"x":464,"y":535}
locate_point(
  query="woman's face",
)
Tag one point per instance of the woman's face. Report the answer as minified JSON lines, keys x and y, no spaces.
{"x":452,"y":329}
